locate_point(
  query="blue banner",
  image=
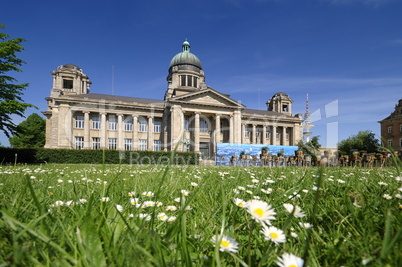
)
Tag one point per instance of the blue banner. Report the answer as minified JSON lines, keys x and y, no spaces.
{"x":226,"y":150}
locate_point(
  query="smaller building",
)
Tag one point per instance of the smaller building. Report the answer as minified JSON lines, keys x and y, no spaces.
{"x":391,"y":129}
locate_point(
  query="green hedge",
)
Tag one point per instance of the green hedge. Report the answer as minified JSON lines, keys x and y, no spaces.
{"x":42,"y":155}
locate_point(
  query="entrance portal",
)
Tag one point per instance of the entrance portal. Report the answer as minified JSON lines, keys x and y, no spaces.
{"x":205,"y":150}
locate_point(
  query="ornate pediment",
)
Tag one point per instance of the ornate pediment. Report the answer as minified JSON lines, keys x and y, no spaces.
{"x":208,"y":97}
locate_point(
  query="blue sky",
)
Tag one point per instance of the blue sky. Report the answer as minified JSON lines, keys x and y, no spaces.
{"x":346,"y":54}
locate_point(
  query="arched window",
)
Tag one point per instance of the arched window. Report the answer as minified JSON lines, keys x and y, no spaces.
{"x":203,"y":125}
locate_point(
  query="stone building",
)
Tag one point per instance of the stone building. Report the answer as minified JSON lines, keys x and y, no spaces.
{"x":391,"y":128}
{"x":192,"y":116}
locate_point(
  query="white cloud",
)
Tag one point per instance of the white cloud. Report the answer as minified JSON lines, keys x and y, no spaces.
{"x":398,"y":42}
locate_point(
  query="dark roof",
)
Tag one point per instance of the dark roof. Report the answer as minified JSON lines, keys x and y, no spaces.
{"x":127,"y":99}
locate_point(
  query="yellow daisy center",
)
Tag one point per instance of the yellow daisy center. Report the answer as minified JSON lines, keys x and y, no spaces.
{"x":259,"y":212}
{"x":225,"y":244}
{"x":241,"y":204}
{"x":292,"y":265}
{"x":275,"y":236}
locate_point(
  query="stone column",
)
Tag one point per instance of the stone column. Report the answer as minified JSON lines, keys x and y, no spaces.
{"x":165,"y":131}
{"x":120,"y":144}
{"x":87,"y":128}
{"x":243,"y":133}
{"x":197,"y":132}
{"x":65,"y":127}
{"x":284,"y":136}
{"x":103,"y":130}
{"x":237,"y":126}
{"x":217,"y":128}
{"x":150,"y":133}
{"x":263,"y":134}
{"x":231,"y":133}
{"x":176,"y":130}
{"x":253,"y":141}
{"x":135,"y":132}
{"x":273,"y":136}
{"x":293,"y":136}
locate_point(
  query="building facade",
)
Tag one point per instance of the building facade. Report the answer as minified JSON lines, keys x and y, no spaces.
{"x":391,"y":129}
{"x":191,"y":117}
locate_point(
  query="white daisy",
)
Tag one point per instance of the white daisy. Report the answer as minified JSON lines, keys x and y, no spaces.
{"x":240,"y":202}
{"x":148,"y":194}
{"x":119,"y":208}
{"x":162,"y":216}
{"x":134,"y":201}
{"x":226,"y":243}
{"x":306,"y":225}
{"x":261,"y":211}
{"x":144,"y":216}
{"x":59,"y":203}
{"x":297,"y":212}
{"x":148,"y":204}
{"x":105,"y":199}
{"x":274,"y":234}
{"x":171,"y":208}
{"x":171,"y":219}
{"x":289,"y":260}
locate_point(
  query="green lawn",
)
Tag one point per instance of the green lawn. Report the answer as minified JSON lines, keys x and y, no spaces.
{"x":126,"y":215}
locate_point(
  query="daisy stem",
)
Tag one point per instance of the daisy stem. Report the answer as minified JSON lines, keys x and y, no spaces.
{"x":249,"y":242}
{"x":314,"y":213}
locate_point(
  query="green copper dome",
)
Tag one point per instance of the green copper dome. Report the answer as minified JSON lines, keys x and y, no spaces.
{"x":185,"y":57}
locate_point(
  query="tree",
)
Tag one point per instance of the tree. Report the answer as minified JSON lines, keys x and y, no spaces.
{"x":10,"y":92}
{"x":363,"y":141}
{"x":30,"y":133}
{"x":311,"y":147}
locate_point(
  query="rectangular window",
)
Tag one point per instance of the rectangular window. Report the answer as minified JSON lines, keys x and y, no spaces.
{"x":203,"y":126}
{"x":95,"y":143}
{"x":112,"y":143}
{"x":67,"y":84}
{"x":389,"y":129}
{"x":267,"y":134}
{"x":390,"y":143}
{"x":287,"y":136}
{"x":128,"y":144}
{"x":257,"y":132}
{"x":112,"y":122}
{"x":79,"y":121}
{"x":400,"y":128}
{"x":195,"y":81}
{"x":143,"y":125}
{"x":400,"y":142}
{"x":128,"y":124}
{"x":96,"y":123}
{"x":157,"y":145}
{"x":247,"y":132}
{"x":278,"y":135}
{"x":183,"y":80}
{"x":186,"y":124}
{"x":189,"y":80}
{"x":221,"y":126}
{"x":157,"y":126}
{"x":79,"y":142}
{"x":143,"y":144}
